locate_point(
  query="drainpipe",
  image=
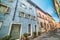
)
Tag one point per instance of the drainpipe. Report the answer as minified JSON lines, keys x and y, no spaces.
{"x":15,"y":10}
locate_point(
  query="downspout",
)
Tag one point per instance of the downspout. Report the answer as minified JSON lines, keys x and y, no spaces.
{"x":15,"y":10}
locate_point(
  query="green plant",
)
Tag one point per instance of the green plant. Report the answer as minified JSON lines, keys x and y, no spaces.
{"x":29,"y":34}
{"x":34,"y":34}
{"x":39,"y":33}
{"x":6,"y":37}
{"x":25,"y":34}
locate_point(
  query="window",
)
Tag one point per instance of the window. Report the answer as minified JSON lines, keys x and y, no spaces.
{"x":15,"y":31}
{"x":35,"y":28}
{"x":23,"y":5}
{"x":3,"y":9}
{"x":0,"y":25}
{"x":29,"y":29}
{"x":21,"y":14}
{"x":41,"y":24}
{"x":32,"y":17}
{"x":39,"y":15}
{"x":47,"y":26}
{"x":27,"y":15}
{"x":30,"y":9}
{"x":43,"y":16}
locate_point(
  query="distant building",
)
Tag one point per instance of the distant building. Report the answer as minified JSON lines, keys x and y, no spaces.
{"x":51,"y":21}
{"x":45,"y":21}
{"x":42,"y":20}
{"x":57,"y":25}
{"x":56,"y":4}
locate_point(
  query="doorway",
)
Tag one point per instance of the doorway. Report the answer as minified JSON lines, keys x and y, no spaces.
{"x":15,"y":31}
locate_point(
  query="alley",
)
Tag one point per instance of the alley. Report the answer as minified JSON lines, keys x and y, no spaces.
{"x":47,"y":37}
{"x":29,"y":19}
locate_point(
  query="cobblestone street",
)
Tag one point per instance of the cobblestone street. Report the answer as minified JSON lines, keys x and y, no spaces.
{"x":47,"y":37}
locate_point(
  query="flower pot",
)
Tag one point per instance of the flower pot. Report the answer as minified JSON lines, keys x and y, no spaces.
{"x":25,"y":38}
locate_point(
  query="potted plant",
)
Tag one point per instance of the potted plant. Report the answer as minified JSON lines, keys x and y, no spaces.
{"x":25,"y":36}
{"x":39,"y":33}
{"x":6,"y":38}
{"x":34,"y":34}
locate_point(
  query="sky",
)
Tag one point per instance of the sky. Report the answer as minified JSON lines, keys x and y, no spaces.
{"x":47,"y":6}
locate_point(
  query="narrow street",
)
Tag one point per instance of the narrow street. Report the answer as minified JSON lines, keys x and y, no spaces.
{"x":47,"y":36}
{"x":29,"y":19}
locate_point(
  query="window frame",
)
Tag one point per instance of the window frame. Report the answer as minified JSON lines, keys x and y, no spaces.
{"x":29,"y":30}
{"x":1,"y":24}
{"x":27,"y":16}
{"x":21,"y":14}
{"x":30,"y":9}
{"x":11,"y":27}
{"x":23,"y":5}
{"x":6,"y":7}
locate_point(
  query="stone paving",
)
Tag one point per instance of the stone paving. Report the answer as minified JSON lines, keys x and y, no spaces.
{"x":47,"y":37}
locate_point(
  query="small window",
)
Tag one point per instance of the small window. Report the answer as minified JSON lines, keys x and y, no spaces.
{"x":21,"y":14}
{"x":34,"y":17}
{"x":3,"y":9}
{"x":0,"y":25}
{"x":27,"y":15}
{"x":41,"y":24}
{"x":23,"y":5}
{"x":39,"y":15}
{"x":35,"y":28}
{"x":29,"y":29}
{"x":30,"y":9}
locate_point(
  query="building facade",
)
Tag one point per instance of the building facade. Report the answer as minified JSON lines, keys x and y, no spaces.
{"x":51,"y":21}
{"x":45,"y":21}
{"x":56,"y":4}
{"x":42,"y":20}
{"x":16,"y":18}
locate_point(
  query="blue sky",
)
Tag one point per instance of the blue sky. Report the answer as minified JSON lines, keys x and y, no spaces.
{"x":48,"y":7}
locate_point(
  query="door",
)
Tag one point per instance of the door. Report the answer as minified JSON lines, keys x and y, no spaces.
{"x":15,"y":31}
{"x":35,"y":28}
{"x":29,"y":29}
